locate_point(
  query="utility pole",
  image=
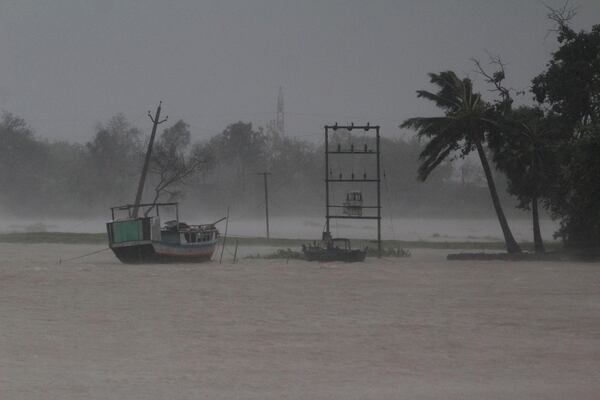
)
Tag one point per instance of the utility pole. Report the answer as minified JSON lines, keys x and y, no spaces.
{"x":156,"y":121}
{"x":264,"y":174}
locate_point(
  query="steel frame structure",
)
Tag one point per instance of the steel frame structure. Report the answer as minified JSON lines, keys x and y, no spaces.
{"x":329,"y":180}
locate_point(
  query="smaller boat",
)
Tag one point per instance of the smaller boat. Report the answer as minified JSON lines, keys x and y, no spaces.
{"x":333,"y":249}
{"x":145,"y":240}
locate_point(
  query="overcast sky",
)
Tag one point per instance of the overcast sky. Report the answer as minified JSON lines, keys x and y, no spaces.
{"x":66,"y":65}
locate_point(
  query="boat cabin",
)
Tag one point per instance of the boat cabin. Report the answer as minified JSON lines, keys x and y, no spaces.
{"x":127,"y":228}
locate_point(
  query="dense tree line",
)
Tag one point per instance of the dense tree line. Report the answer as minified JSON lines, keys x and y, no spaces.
{"x":547,"y":151}
{"x":45,"y":178}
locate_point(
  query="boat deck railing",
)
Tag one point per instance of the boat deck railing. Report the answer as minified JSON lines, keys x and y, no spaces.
{"x":147,"y":206}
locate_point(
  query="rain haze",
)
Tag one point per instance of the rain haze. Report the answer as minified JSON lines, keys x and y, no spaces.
{"x":348,"y":199}
{"x":68,"y":65}
{"x":71,"y":66}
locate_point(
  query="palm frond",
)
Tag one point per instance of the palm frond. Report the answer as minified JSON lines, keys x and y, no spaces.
{"x":439,"y":100}
{"x":464,"y":121}
{"x":432,"y":162}
{"x":419,"y":123}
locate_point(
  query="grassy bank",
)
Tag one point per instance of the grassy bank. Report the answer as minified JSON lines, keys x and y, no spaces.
{"x":100,"y":238}
{"x":405,"y":244}
{"x":53,"y":237}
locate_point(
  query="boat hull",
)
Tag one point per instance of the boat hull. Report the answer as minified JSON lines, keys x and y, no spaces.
{"x":326,"y":255}
{"x":157,"y":252}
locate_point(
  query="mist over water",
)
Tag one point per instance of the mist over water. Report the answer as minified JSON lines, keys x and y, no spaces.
{"x":427,"y":229}
{"x":409,"y":229}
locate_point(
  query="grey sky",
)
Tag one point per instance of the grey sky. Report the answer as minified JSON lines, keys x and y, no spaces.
{"x":68,"y":64}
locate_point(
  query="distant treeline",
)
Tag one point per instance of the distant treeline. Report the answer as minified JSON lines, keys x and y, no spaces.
{"x":58,"y":178}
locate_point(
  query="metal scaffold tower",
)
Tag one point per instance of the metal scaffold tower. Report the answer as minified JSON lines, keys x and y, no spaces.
{"x":353,"y":207}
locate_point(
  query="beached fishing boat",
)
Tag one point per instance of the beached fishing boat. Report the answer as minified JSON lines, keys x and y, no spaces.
{"x":145,"y":240}
{"x":136,"y":234}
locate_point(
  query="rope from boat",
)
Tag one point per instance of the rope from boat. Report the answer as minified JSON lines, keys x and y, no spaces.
{"x":60,"y":260}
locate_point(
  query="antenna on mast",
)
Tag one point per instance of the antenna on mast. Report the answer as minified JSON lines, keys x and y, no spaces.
{"x":280,"y":121}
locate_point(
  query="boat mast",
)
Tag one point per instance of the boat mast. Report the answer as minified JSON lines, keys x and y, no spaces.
{"x":138,"y":197}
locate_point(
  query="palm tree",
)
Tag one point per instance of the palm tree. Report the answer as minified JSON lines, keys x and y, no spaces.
{"x":462,"y":129}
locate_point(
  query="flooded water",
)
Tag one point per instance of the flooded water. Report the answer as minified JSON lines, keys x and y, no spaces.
{"x":415,"y":328}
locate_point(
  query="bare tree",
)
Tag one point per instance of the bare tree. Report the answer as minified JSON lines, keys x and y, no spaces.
{"x":171,"y":164}
{"x":495,"y":79}
{"x":562,"y":15}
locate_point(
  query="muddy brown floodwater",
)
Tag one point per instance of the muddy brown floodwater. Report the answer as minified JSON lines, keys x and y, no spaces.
{"x":412,"y":328}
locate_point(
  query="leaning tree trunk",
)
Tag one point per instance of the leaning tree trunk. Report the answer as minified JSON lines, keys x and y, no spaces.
{"x":538,"y":243}
{"x":511,"y":244}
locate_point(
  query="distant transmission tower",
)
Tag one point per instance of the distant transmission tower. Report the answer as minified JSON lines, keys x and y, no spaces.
{"x":279,"y":121}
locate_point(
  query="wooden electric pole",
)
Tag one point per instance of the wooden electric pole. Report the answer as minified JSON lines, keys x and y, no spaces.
{"x":138,"y":197}
{"x":264,"y":174}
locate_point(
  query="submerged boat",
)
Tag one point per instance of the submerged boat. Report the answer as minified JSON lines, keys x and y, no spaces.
{"x":136,"y":234}
{"x":333,"y":249}
{"x":145,"y":240}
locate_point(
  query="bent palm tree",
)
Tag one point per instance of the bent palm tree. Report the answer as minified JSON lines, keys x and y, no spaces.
{"x":462,"y":129}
